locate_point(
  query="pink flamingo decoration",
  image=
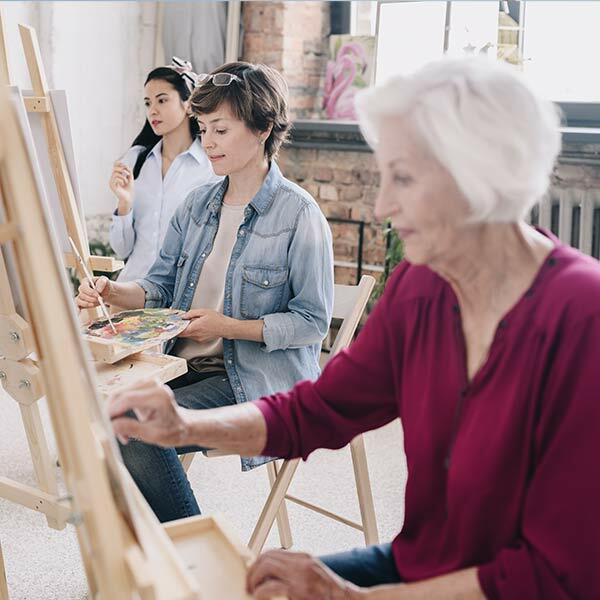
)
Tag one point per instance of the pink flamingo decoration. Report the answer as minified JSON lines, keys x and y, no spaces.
{"x":338,"y":100}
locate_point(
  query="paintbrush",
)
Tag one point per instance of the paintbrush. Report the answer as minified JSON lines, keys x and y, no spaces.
{"x":91,"y":280}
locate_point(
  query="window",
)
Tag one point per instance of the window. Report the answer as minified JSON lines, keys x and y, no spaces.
{"x":560,"y":49}
{"x":553,"y":42}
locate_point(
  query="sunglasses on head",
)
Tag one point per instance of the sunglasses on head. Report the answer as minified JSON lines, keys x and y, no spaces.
{"x":218,"y":79}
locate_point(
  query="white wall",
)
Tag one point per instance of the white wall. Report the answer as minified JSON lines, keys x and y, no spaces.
{"x":100,"y":53}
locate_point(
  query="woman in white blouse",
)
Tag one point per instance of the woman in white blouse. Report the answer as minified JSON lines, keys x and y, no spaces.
{"x":166,"y":162}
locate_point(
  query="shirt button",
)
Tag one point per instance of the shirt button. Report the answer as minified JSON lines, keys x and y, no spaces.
{"x":242,"y":232}
{"x":203,"y":255}
{"x":191,"y":285}
{"x":266,"y":282}
{"x":229,"y":362}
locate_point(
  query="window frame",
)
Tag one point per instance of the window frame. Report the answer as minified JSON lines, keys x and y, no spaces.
{"x":581,"y":120}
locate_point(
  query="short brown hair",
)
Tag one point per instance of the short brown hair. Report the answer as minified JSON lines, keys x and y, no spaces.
{"x":259,"y":99}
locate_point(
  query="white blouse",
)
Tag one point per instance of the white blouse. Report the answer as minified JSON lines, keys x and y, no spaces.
{"x":138,"y":235}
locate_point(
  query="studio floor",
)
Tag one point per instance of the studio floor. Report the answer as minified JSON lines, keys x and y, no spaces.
{"x":44,"y":564}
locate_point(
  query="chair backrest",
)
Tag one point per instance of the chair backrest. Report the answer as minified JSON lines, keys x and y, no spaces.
{"x":349,"y":303}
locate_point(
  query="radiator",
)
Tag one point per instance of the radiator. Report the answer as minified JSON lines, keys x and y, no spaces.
{"x":573,"y":215}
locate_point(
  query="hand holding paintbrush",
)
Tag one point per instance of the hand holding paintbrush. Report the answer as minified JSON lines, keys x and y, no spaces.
{"x":91,"y":280}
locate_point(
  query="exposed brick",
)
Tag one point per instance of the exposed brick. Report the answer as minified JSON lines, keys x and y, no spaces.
{"x":344,"y":232}
{"x":312,"y":189}
{"x":351,"y":192}
{"x":374,"y":256}
{"x":343,"y":176}
{"x":328,"y":192}
{"x":360,"y":212}
{"x":334,"y":210}
{"x":363,"y":176}
{"x":294,"y":42}
{"x":292,"y":37}
{"x":345,"y":275}
{"x":324,"y":174}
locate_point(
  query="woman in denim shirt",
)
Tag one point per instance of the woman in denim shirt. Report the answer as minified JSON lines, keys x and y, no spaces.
{"x":249,"y":259}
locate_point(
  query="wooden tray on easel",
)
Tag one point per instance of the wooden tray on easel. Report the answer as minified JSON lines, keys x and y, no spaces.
{"x":111,"y":377}
{"x":108,"y":352}
{"x":212,"y":556}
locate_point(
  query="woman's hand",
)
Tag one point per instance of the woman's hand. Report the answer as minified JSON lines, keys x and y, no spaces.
{"x":121,"y":185}
{"x":88,"y":296}
{"x":160,"y":420}
{"x":297,"y":576}
{"x":206,"y":325}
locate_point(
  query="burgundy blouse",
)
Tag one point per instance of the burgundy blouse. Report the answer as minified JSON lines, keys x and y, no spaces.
{"x":504,"y":471}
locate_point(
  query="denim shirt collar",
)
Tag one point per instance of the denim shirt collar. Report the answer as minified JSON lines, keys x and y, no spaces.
{"x":263,"y":198}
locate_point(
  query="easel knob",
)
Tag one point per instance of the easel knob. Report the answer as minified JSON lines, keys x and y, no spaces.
{"x":22,"y":380}
{"x":16,"y":339}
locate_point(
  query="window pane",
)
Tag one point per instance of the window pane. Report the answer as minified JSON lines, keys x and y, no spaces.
{"x":410,"y":35}
{"x":363,"y":17}
{"x":561,"y":49}
{"x":473,"y":28}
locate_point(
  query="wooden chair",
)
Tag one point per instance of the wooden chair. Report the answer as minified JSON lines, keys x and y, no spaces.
{"x":350,"y":302}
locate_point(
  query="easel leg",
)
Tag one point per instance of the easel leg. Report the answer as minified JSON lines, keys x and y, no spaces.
{"x":89,"y":573}
{"x":40,"y":455}
{"x":3,"y":584}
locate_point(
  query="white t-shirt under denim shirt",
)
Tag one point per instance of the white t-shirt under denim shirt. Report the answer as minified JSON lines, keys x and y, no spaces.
{"x":138,"y":235}
{"x":210,"y":290}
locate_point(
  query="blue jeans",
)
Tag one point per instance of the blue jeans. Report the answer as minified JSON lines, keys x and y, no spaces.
{"x":157,"y":471}
{"x":365,"y":567}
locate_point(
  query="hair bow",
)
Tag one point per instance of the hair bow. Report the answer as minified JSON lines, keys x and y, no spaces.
{"x":184,"y":68}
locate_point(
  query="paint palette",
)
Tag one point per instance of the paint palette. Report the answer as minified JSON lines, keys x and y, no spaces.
{"x":137,"y":330}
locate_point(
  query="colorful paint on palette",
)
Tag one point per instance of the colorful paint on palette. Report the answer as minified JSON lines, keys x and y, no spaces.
{"x":135,"y":327}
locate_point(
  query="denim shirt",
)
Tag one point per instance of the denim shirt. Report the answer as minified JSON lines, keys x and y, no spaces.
{"x":280,"y":271}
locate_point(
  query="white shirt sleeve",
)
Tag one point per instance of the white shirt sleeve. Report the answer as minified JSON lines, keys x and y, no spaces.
{"x":122,"y":234}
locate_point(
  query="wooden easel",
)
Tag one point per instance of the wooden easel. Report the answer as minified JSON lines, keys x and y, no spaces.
{"x":21,"y":378}
{"x":126,"y":553}
{"x":20,"y":375}
{"x":41,"y":103}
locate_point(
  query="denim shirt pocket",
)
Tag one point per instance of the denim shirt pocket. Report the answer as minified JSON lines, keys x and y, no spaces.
{"x":262,"y":290}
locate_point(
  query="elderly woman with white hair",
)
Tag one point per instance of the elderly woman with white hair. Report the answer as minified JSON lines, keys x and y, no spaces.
{"x":485,"y":344}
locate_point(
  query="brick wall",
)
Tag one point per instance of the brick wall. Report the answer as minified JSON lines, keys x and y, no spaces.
{"x":345,"y":185}
{"x":292,"y":38}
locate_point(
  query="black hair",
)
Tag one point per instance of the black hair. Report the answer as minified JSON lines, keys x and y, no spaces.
{"x":146,"y":137}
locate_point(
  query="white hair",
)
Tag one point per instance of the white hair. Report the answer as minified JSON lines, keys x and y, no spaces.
{"x":482,"y":123}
